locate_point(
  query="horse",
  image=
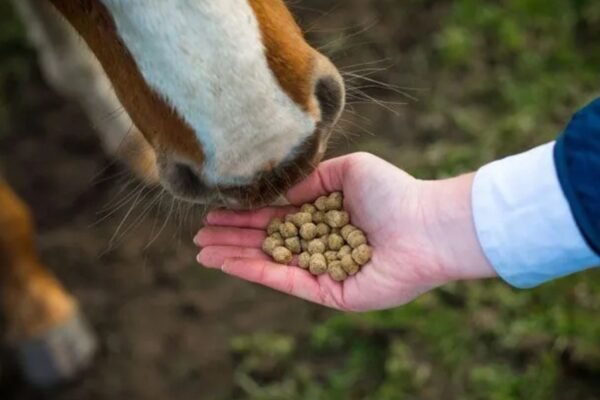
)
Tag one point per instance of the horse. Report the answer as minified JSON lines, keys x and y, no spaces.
{"x":224,"y":103}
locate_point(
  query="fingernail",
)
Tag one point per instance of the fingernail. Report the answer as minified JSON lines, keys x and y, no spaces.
{"x":198,"y":259}
{"x":209,"y":218}
{"x":225,"y":266}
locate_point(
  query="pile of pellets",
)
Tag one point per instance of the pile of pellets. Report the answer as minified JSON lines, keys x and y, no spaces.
{"x":322,"y":237}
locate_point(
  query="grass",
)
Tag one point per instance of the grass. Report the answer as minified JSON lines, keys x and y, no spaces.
{"x":15,"y":62}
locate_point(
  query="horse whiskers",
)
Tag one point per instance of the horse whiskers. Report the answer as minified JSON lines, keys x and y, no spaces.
{"x":142,"y":195}
{"x":350,"y":110}
{"x":140,"y":218}
{"x":361,"y":98}
{"x":186,"y":214}
{"x":388,"y":86}
{"x":357,"y":125}
{"x":371,"y":63}
{"x":117,"y":175}
{"x":322,"y":15}
{"x":110,"y":210}
{"x":366,"y":27}
{"x":164,"y":225}
{"x":111,"y":242}
{"x":222,"y":197}
{"x":161,"y":196}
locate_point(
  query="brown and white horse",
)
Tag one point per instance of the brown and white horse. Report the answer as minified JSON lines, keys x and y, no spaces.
{"x":225,"y":103}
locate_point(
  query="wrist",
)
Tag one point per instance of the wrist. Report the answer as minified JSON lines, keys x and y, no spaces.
{"x":448,"y":218}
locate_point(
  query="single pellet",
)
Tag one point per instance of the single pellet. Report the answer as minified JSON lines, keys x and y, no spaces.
{"x":337,"y":219}
{"x":318,"y":264}
{"x":362,"y":254}
{"x":282,"y":255}
{"x":336,"y":272}
{"x":335,"y":201}
{"x":304,"y":260}
{"x":321,"y":203}
{"x":316,"y":246}
{"x":308,"y":208}
{"x":288,"y":230}
{"x":293,"y":244}
{"x":274,"y":225}
{"x":309,"y":231}
{"x":356,"y":238}
{"x":323,"y":229}
{"x":335,"y":242}
{"x":345,"y":251}
{"x":318,"y":217}
{"x":349,"y":265}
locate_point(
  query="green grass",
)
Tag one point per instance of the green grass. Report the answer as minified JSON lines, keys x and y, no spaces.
{"x":15,"y":62}
{"x":505,"y":76}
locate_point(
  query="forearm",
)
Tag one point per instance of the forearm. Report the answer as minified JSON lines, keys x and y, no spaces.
{"x":448,"y":218}
{"x":510,"y":219}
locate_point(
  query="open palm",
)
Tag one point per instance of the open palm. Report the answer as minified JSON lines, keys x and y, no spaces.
{"x":382,"y":200}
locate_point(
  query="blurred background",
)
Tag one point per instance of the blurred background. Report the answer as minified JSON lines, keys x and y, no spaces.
{"x":437,"y":87}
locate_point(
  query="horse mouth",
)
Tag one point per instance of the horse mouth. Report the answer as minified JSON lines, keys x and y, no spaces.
{"x":271,"y":186}
{"x":267,"y":187}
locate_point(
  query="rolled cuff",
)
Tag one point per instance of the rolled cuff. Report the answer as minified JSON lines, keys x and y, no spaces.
{"x":524,"y":222}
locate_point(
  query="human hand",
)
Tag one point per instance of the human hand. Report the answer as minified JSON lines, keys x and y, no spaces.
{"x":421,"y":233}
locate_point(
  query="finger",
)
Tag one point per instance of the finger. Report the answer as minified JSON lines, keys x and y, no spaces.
{"x":257,"y":219}
{"x":290,"y":280}
{"x":215,"y":256}
{"x":327,"y":178}
{"x":225,"y":236}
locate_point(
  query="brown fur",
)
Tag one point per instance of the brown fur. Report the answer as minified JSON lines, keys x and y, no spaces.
{"x":32,"y":299}
{"x":290,"y":58}
{"x":160,"y":124}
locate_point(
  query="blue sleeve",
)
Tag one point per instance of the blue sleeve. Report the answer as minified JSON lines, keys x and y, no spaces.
{"x":577,"y":159}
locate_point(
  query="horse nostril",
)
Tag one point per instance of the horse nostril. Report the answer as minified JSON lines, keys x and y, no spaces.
{"x":187,"y":177}
{"x":330,"y":93}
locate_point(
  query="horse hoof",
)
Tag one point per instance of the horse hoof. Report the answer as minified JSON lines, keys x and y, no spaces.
{"x":58,"y":356}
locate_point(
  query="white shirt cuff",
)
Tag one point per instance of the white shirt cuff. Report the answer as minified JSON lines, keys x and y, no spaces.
{"x":524,"y":222}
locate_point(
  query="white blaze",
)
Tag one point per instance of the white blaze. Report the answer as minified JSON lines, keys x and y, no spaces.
{"x":206,"y":58}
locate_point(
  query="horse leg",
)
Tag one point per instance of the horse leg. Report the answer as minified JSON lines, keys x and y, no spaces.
{"x":45,"y":327}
